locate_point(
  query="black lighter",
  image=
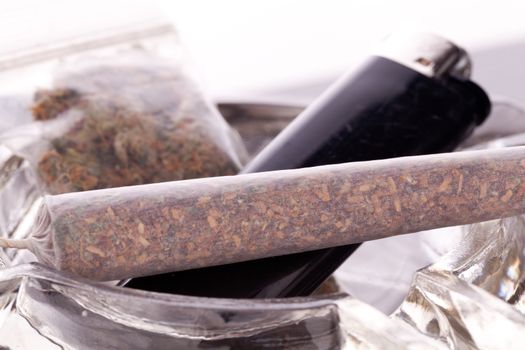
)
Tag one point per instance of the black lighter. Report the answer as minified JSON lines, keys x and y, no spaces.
{"x":414,"y":97}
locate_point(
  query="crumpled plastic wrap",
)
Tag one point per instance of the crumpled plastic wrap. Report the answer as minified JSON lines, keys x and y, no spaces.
{"x":470,"y":298}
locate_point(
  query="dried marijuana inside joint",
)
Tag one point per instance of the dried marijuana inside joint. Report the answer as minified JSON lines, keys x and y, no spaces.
{"x":143,"y":230}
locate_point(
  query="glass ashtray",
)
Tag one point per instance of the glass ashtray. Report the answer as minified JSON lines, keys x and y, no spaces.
{"x":470,"y":296}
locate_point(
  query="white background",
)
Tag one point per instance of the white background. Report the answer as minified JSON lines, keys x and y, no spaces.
{"x":288,"y":50}
{"x":271,"y":48}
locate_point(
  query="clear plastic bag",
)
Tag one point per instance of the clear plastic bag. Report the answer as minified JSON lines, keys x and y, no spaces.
{"x":123,"y":117}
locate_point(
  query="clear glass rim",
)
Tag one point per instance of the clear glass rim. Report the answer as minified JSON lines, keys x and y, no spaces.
{"x":12,"y":275}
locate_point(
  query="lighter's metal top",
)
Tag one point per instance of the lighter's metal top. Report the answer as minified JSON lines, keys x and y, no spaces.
{"x":426,"y":53}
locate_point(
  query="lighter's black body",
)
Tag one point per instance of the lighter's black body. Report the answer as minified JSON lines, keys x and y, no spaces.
{"x":383,"y":109}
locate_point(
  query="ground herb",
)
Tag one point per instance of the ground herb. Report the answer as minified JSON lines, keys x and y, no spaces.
{"x":142,"y":230}
{"x":153,"y":128}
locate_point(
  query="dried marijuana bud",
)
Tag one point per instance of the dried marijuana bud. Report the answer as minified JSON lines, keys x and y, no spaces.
{"x":131,"y":126}
{"x":50,"y":103}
